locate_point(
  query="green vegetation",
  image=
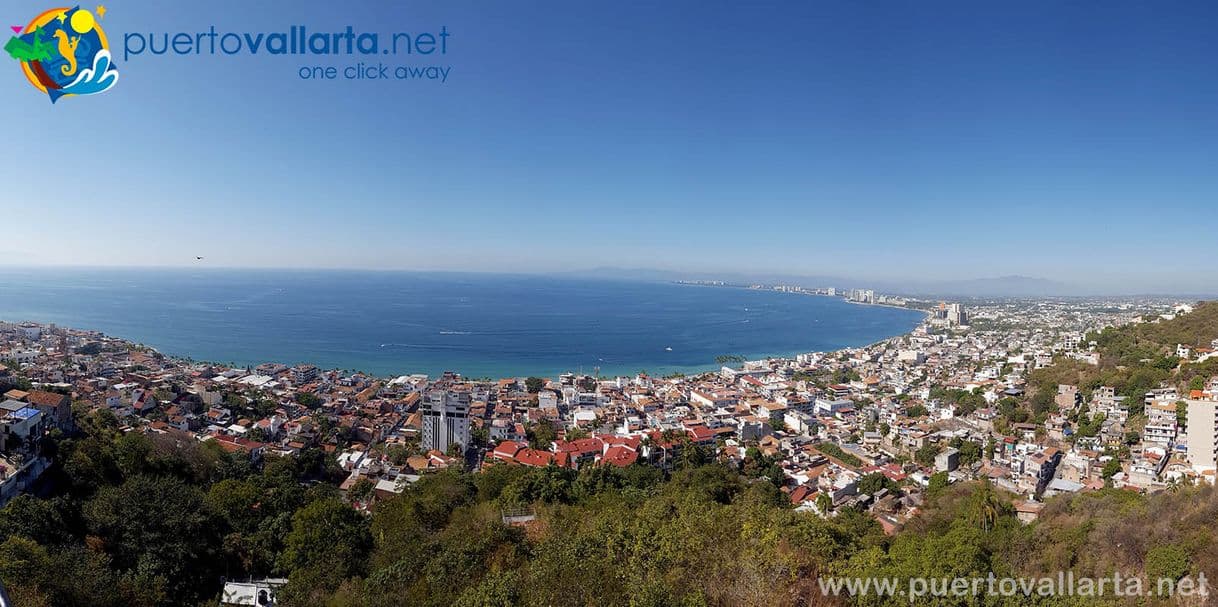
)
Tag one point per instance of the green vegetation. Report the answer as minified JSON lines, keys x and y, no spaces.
{"x":308,"y":399}
{"x":970,"y":451}
{"x":925,"y":455}
{"x":154,"y":520}
{"x":1156,"y":342}
{"x":833,"y":450}
{"x":151,"y":521}
{"x":541,"y":434}
{"x":1134,"y":359}
{"x":966,"y":402}
{"x":870,"y":483}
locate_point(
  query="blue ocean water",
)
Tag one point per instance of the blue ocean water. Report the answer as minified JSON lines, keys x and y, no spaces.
{"x":480,"y":325}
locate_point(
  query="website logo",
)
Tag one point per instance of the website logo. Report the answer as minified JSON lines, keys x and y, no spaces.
{"x":64,"y":52}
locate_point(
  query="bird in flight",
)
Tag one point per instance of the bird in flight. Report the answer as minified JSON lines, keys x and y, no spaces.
{"x":198,"y":259}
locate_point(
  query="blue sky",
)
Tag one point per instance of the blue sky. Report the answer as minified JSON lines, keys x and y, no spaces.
{"x":941,"y":140}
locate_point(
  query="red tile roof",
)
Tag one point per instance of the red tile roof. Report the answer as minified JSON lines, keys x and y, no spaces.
{"x":534,"y":457}
{"x":620,"y":456}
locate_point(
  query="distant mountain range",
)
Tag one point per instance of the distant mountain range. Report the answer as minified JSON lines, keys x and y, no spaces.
{"x":1003,"y":286}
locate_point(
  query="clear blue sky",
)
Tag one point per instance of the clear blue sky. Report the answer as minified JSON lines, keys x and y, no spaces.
{"x":1075,"y":141}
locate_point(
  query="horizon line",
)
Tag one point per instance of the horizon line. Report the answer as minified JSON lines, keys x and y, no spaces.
{"x":593,"y":273}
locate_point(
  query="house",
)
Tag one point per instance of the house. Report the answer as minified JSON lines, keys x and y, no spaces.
{"x":580,"y":451}
{"x":620,"y":456}
{"x":829,"y":408}
{"x":56,"y":407}
{"x":947,"y":460}
{"x":1068,"y":397}
{"x":20,"y":425}
{"x":1027,"y":512}
{"x":257,"y":593}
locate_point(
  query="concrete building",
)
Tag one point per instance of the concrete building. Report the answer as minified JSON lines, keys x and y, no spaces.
{"x":947,"y":460}
{"x":1202,"y":434}
{"x":445,"y":420}
{"x":957,"y":315}
{"x":20,"y":424}
{"x":1068,"y":397}
{"x":303,"y":374}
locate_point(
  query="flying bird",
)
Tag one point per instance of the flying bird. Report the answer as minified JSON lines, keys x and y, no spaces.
{"x":198,"y":258}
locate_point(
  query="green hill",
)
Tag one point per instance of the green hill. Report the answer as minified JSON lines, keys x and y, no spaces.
{"x":1134,"y":358}
{"x":1133,"y":344}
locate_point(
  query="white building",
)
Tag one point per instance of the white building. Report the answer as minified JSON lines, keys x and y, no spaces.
{"x":303,"y":374}
{"x":1202,"y":434}
{"x":445,"y":420}
{"x":22,"y":356}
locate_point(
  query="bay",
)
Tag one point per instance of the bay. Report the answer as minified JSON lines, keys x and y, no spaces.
{"x":480,"y":325}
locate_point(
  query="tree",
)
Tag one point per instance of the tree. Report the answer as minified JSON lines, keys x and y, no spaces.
{"x":926,"y":455}
{"x":328,"y":543}
{"x":361,"y":490}
{"x":1169,"y":562}
{"x":534,"y":384}
{"x":824,"y":503}
{"x":541,"y":435}
{"x":937,"y":483}
{"x":871,"y":483}
{"x":1111,"y":467}
{"x":37,"y":519}
{"x":480,"y":436}
{"x":970,"y":452}
{"x":985,"y":507}
{"x":157,"y":527}
{"x":398,"y":453}
{"x":308,"y":399}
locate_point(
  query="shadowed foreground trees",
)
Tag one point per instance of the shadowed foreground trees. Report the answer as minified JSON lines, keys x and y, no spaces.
{"x":161,"y":522}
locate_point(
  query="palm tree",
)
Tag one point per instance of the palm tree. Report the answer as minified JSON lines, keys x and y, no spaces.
{"x":986,"y":506}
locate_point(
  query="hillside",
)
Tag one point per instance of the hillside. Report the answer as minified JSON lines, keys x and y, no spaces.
{"x":145,"y":521}
{"x":1135,"y":358}
{"x":1132,"y":344}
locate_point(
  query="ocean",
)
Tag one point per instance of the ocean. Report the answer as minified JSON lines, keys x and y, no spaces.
{"x":479,"y":325}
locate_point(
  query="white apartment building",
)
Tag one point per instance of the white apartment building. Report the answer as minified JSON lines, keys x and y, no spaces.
{"x":445,"y":420}
{"x":1202,"y":434}
{"x":1160,"y":423}
{"x":303,"y":374}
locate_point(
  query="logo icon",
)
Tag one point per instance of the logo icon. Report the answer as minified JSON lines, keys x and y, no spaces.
{"x":64,"y":52}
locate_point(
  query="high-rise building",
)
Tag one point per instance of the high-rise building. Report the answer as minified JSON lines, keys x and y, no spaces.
{"x":445,"y":420}
{"x":303,"y":374}
{"x":957,"y":315}
{"x":1202,"y":434}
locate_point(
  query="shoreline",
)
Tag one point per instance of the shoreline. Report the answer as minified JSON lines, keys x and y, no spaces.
{"x":621,"y":344}
{"x":685,"y":371}
{"x":681,"y":370}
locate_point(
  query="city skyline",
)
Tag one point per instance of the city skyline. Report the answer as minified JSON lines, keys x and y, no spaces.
{"x":881,"y":142}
